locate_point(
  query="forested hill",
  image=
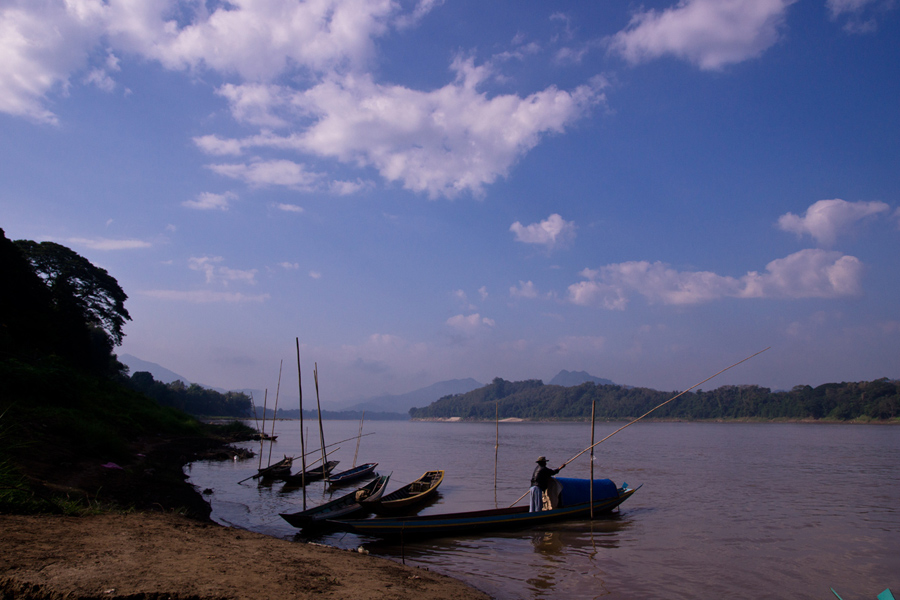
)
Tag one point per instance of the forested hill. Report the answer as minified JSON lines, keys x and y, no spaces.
{"x":531,"y":399}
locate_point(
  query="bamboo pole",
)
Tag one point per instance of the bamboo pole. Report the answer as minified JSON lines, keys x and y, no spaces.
{"x":661,"y":405}
{"x":591,"y":447}
{"x":359,"y":437}
{"x":319,"y":408}
{"x":262,"y":433}
{"x":302,"y":442}
{"x":593,"y":412}
{"x":275,"y":414}
{"x":497,"y":441}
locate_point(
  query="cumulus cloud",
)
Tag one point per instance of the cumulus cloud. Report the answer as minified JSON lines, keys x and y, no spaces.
{"x":289,"y":207}
{"x":708,"y":33}
{"x":211,"y":267}
{"x":270,"y":172}
{"x":107,"y":244}
{"x":210,"y":201}
{"x":470,"y":324}
{"x":439,"y":142}
{"x":810,"y":273}
{"x":825,"y":220}
{"x":525,"y":289}
{"x":552,"y":232}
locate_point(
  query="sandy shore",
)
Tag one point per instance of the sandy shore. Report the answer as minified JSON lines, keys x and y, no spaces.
{"x":155,"y":556}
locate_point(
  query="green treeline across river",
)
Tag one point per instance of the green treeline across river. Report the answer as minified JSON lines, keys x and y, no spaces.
{"x":531,"y":399}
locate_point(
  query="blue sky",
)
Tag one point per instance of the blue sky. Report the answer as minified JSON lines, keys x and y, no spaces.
{"x":430,"y":190}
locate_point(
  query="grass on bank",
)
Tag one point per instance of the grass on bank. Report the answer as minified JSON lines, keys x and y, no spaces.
{"x":51,"y":412}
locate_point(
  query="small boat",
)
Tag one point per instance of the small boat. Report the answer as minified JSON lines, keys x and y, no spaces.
{"x":314,"y":474}
{"x":411,"y":493}
{"x":575,"y":505}
{"x":352,"y":474}
{"x":340,"y":507}
{"x":279,"y":470}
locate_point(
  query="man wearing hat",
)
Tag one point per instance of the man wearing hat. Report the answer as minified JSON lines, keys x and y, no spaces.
{"x":543,"y":479}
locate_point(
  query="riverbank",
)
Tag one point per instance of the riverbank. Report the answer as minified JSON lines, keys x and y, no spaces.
{"x":166,"y":555}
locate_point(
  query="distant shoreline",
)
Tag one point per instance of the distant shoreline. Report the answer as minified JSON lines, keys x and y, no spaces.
{"x":652,"y":420}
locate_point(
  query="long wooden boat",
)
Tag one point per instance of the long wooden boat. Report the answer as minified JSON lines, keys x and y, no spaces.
{"x":346,"y":505}
{"x":352,"y":475}
{"x":412,"y":493}
{"x":449,"y":524}
{"x":313,"y":474}
{"x":279,"y":470}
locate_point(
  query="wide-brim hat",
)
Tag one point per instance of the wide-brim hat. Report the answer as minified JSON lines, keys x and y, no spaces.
{"x":541,"y":459}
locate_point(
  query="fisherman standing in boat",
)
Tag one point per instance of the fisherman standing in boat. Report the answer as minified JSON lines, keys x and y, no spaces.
{"x":545,"y":490}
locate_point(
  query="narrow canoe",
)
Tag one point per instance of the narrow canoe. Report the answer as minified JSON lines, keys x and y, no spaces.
{"x":352,"y":474}
{"x":450,"y":524}
{"x":412,"y":493}
{"x":279,"y":470}
{"x":312,"y":474}
{"x":346,"y":505}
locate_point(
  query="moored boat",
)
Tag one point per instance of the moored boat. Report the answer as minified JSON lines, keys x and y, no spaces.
{"x":279,"y":470}
{"x":346,"y":505}
{"x":575,"y":504}
{"x":412,"y":493}
{"x":312,"y":474}
{"x":353,"y":474}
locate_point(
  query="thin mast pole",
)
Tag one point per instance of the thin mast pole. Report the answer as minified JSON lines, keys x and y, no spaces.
{"x":262,"y":432}
{"x":593,"y":412}
{"x":661,"y":405}
{"x":319,"y":408}
{"x":359,"y":437}
{"x":302,"y":442}
{"x":275,"y":414}
{"x":496,"y":444}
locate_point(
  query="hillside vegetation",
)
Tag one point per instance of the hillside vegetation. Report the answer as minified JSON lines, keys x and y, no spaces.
{"x":877,"y":400}
{"x":72,"y":436}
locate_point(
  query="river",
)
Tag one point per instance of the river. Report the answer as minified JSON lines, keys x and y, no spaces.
{"x":727,"y":510}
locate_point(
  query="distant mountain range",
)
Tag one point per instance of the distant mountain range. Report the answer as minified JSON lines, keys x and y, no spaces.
{"x":159,"y":372}
{"x":401,"y":403}
{"x":388,"y":403}
{"x":570,"y":378}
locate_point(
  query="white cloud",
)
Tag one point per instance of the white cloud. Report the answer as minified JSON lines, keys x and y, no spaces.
{"x":204,"y":296}
{"x":708,"y":33}
{"x":289,"y":265}
{"x":210,"y":201}
{"x":315,"y":275}
{"x":808,"y":273}
{"x":289,"y":208}
{"x":270,"y":172}
{"x":551,"y":232}
{"x":471,"y":324}
{"x":525,"y":289}
{"x":482,"y":291}
{"x":212,"y":144}
{"x":107,"y":244}
{"x":825,"y":220}
{"x":440,"y":142}
{"x":215,"y":273}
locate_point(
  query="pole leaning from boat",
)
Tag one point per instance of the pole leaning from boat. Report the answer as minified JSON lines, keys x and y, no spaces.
{"x":275,"y":414}
{"x":319,"y":408}
{"x":302,"y":443}
{"x":592,"y":446}
{"x":661,"y":405}
{"x":262,"y":433}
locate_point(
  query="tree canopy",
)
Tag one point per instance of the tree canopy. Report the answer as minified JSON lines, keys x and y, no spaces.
{"x":80,"y":285}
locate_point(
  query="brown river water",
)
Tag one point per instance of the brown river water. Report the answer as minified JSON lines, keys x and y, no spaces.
{"x":730,"y":510}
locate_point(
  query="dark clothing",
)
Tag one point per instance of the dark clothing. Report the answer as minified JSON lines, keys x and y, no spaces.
{"x":542,"y":475}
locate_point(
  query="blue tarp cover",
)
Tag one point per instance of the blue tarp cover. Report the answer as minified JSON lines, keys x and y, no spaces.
{"x":578,"y":491}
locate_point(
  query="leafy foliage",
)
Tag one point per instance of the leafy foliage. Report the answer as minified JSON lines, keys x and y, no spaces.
{"x":879,"y":400}
{"x":193,"y":399}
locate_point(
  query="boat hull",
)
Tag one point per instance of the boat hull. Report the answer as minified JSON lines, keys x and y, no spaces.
{"x":341,"y":507}
{"x":477,"y":521}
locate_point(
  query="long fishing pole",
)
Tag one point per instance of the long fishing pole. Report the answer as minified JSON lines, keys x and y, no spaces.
{"x":660,"y":406}
{"x":302,"y":443}
{"x":648,"y":412}
{"x":275,"y":414}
